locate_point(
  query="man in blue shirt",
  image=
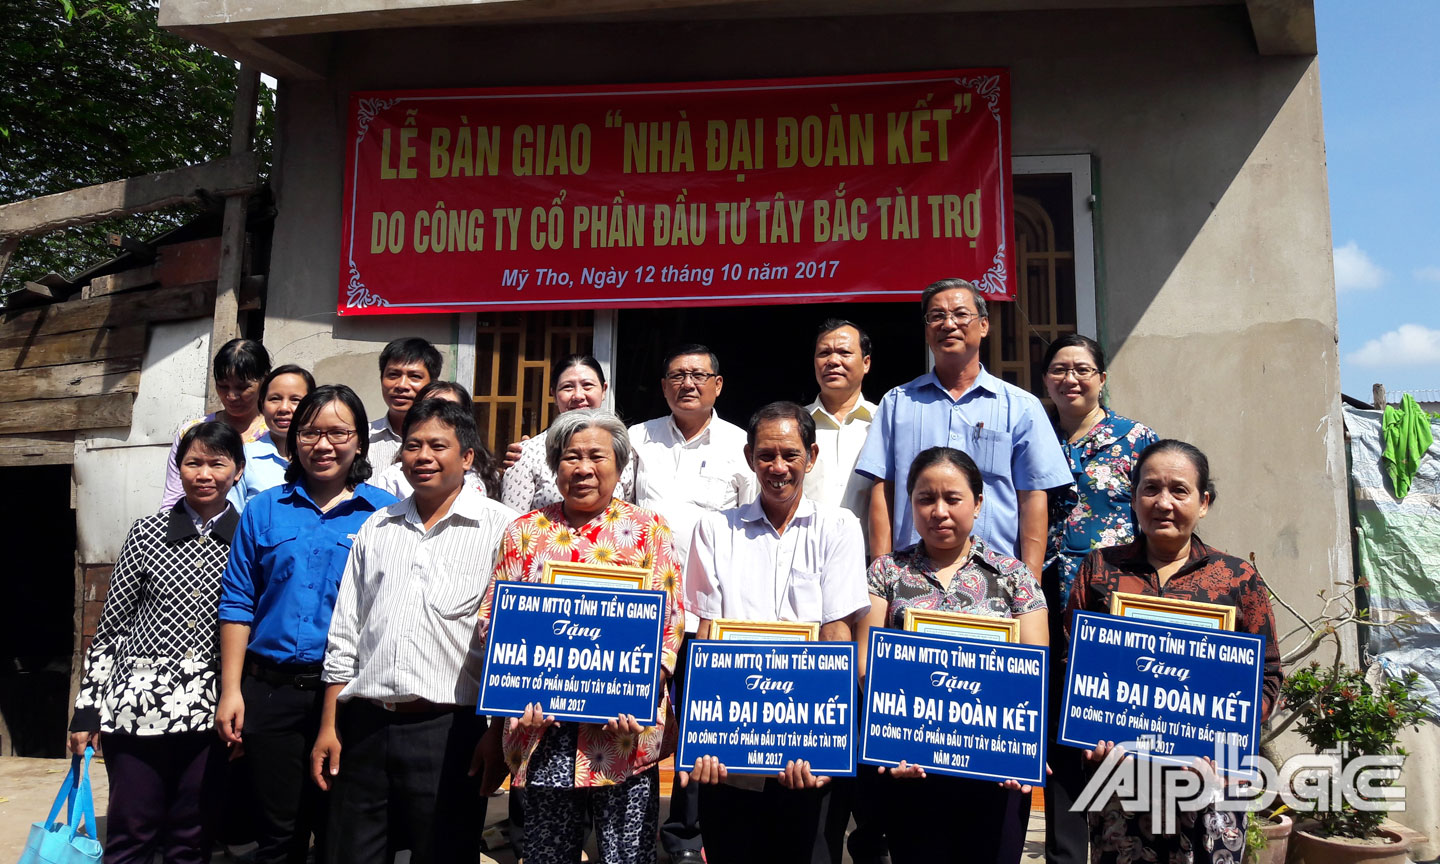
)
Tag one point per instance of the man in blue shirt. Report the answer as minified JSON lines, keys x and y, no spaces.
{"x":958,"y":404}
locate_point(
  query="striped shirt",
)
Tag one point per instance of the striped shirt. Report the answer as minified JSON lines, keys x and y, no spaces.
{"x":405,"y":623}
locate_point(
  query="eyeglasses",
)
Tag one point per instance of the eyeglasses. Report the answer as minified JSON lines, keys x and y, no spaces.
{"x":937,"y":317}
{"x":334,"y":436}
{"x":1081,"y":373}
{"x":679,"y":378}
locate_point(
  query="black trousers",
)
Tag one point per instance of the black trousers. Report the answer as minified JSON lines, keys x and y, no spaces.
{"x":166,"y":795}
{"x":681,"y":831}
{"x":403,"y":784}
{"x":745,"y":826}
{"x":1067,"y":834}
{"x":955,"y":819}
{"x":281,"y":722}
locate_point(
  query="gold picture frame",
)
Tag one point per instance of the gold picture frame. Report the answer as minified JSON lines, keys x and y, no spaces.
{"x":961,"y":625}
{"x":577,"y":574}
{"x":736,"y":630}
{"x":1168,"y":610}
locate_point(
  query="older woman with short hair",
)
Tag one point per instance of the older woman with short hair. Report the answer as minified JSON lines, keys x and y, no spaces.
{"x":1172,"y":493}
{"x":575,"y":772}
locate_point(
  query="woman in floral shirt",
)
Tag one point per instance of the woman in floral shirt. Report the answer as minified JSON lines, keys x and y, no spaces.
{"x":152,"y":670}
{"x":950,"y":570}
{"x":575,"y":772}
{"x":1101,"y":447}
{"x":1173,"y":493}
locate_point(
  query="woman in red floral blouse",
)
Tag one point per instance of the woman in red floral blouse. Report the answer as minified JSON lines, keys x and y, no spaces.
{"x":1173,"y":492}
{"x":575,"y":772}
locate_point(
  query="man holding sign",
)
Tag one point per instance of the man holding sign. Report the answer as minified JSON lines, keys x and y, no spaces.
{"x":781,"y":558}
{"x":403,"y":662}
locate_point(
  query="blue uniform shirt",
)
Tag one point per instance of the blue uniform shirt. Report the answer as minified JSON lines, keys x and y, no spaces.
{"x":284,"y":569}
{"x":1003,"y":428}
{"x":264,"y":469}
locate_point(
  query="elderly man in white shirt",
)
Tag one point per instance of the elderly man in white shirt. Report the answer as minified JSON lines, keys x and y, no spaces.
{"x":403,"y":660}
{"x":842,"y":417}
{"x":780,"y":558}
{"x":689,"y":463}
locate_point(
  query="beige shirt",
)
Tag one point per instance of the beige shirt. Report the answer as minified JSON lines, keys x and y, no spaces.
{"x":833,"y":480}
{"x":384,"y":445}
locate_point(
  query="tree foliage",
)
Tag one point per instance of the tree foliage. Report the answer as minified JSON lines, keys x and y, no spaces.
{"x":93,"y":91}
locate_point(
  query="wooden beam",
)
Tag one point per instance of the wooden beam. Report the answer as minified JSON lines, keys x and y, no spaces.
{"x":231,"y":175}
{"x":226,"y":322}
{"x":43,"y":448}
{"x":125,"y":280}
{"x":95,"y":378}
{"x":118,"y":310}
{"x":106,"y":343}
{"x":55,"y":415}
{"x":7,"y":250}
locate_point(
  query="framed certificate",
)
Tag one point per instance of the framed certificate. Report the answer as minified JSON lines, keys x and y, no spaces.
{"x":735,"y":630}
{"x":581,"y":575}
{"x":1167,"y":610}
{"x":961,"y":625}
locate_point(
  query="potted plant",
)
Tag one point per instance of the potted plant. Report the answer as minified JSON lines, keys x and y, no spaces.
{"x":1337,"y":711}
{"x":1267,"y":836}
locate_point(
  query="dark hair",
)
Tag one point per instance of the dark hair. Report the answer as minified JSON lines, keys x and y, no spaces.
{"x":412,"y":349}
{"x":215,"y":436}
{"x":950,"y":285}
{"x":454,"y":388}
{"x":1189,"y":451}
{"x":832,"y":324}
{"x":936,"y":455}
{"x":460,"y":417}
{"x":1075,"y":340}
{"x":685,"y":351}
{"x":585,"y":360}
{"x":244,"y":359}
{"x":783,"y":411}
{"x":306,"y":411}
{"x":287,"y":369}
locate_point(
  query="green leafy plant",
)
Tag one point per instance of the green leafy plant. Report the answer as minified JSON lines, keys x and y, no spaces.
{"x":1337,"y":709}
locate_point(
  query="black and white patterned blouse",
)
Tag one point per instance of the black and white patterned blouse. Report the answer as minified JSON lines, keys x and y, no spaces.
{"x":154,"y":665}
{"x":988,"y":583}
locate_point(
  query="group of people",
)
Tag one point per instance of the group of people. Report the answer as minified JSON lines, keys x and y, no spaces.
{"x":316,"y":589}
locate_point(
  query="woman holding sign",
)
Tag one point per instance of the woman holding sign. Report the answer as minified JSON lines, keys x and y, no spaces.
{"x":950,"y":570}
{"x":575,"y":772}
{"x":1101,"y":447}
{"x":1172,"y":494}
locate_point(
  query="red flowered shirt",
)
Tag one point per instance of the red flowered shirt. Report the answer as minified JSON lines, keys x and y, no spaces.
{"x":626,"y":536}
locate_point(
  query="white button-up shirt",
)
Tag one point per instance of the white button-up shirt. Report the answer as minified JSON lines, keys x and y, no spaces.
{"x":682,"y":480}
{"x":833,"y":480}
{"x":741,"y":568}
{"x":384,"y":444}
{"x":405,"y":622}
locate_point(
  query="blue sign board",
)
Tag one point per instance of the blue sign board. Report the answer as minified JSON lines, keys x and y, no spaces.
{"x":585,"y":654}
{"x":758,"y":705}
{"x":1173,"y":691}
{"x":967,"y":707}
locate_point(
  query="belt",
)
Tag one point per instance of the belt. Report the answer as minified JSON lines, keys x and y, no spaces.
{"x":416,"y":706}
{"x":299,"y":677}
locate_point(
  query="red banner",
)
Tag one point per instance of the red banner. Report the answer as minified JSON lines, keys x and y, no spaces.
{"x":863,"y":188}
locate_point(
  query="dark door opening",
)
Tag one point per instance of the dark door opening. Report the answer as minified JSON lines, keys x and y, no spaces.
{"x":766,"y":352}
{"x":37,"y":617}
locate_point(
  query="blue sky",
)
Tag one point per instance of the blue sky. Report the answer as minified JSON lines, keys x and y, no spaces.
{"x":1380,"y":86}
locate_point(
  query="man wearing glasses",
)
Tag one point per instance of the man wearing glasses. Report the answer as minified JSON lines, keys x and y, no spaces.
{"x":689,"y":462}
{"x":958,"y":404}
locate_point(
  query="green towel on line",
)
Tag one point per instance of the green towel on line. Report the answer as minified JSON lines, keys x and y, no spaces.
{"x":1407,"y":437}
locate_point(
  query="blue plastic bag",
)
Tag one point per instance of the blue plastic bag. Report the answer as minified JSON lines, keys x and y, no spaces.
{"x":52,"y":842}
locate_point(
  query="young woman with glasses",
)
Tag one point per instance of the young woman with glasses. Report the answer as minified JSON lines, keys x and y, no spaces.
{"x":1102,"y":448}
{"x":277,"y":595}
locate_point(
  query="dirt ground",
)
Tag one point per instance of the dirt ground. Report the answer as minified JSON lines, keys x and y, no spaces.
{"x":28,"y":787}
